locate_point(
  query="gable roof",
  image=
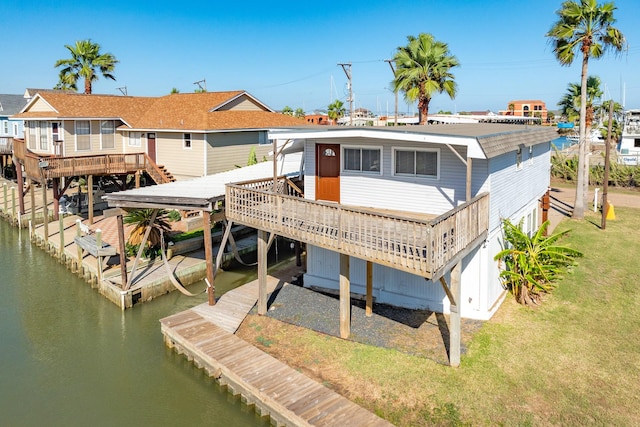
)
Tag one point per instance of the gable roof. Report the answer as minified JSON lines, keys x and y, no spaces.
{"x":204,"y":111}
{"x":11,"y":104}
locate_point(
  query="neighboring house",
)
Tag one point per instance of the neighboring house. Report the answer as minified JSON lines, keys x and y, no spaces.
{"x":413,"y":202}
{"x":191,"y":135}
{"x":10,"y":105}
{"x":9,"y":128}
{"x":526,"y":108}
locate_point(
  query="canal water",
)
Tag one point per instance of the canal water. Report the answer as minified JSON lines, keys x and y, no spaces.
{"x":68,"y":357}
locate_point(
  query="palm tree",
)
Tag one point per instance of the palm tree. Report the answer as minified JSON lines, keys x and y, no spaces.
{"x":570,"y":102}
{"x":141,"y":218}
{"x":584,"y":26}
{"x":299,"y":113}
{"x":336,"y":110}
{"x":85,"y":59}
{"x":287,"y":111}
{"x":423,"y":69}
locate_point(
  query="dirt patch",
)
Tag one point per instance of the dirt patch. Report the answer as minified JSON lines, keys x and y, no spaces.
{"x":420,"y":333}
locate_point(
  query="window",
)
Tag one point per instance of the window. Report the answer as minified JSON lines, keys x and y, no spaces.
{"x":55,"y":132}
{"x":83,"y":135}
{"x":6,"y":126}
{"x":262,"y":139}
{"x":420,"y":163}
{"x":186,"y":140}
{"x":531,"y":155}
{"x":362,"y":160}
{"x":134,"y":139}
{"x":15,"y":129}
{"x":32,"y":134}
{"x":43,"y":136}
{"x":108,"y":134}
{"x":519,"y":158}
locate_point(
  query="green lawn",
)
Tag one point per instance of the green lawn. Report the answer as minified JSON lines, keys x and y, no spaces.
{"x":575,"y":360}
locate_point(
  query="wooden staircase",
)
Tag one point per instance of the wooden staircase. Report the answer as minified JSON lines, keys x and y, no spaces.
{"x":168,"y":175}
{"x":158,"y":173}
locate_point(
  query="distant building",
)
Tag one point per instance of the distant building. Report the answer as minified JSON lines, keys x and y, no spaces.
{"x":317,"y":119}
{"x":526,"y":108}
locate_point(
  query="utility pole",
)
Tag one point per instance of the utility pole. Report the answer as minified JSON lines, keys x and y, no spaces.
{"x":203,"y":86}
{"x":393,"y":70}
{"x":605,"y":181}
{"x":346,"y":67}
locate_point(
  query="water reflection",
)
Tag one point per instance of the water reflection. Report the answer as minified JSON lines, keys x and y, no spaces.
{"x":69,"y":357}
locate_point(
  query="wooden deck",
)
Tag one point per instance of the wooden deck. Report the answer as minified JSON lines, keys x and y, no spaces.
{"x":417,"y":244}
{"x":205,"y":335}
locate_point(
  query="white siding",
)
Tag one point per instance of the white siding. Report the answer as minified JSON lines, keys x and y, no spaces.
{"x":514,"y":193}
{"x":386,"y":191}
{"x":513,"y":189}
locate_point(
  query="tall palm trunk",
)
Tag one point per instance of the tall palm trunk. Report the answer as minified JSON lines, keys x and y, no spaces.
{"x":582,"y":184}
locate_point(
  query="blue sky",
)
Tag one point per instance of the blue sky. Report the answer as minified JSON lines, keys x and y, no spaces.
{"x":286,"y":53}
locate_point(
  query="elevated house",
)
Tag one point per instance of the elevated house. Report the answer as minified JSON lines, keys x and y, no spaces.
{"x":409,"y":217}
{"x":188,"y":135}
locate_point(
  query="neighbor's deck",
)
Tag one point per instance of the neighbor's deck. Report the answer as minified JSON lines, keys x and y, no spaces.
{"x":205,"y":334}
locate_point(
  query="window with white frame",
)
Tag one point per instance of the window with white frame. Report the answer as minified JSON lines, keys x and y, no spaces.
{"x":186,"y":140}
{"x":55,"y":132}
{"x":43,"y":128}
{"x":358,"y":159}
{"x":33,"y":134}
{"x":134,"y":139}
{"x":15,"y":129}
{"x":83,"y":135}
{"x":107,"y":134}
{"x":6,"y":126}
{"x":419,"y":163}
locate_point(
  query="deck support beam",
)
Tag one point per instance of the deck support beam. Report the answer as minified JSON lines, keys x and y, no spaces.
{"x":262,"y":272}
{"x":55,"y":186}
{"x":122,"y":249}
{"x":20,"y":180}
{"x":453,"y":292}
{"x":90,"y":192}
{"x":208,"y":256}
{"x":32,"y":194}
{"x":45,"y":210}
{"x":345,"y":297}
{"x":369,"y":298}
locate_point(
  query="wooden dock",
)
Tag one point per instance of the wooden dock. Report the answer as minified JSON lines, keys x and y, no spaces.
{"x":205,"y":335}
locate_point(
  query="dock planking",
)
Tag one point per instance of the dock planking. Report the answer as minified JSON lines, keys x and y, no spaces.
{"x":288,"y":397}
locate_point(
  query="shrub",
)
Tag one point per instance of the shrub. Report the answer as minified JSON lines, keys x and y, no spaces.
{"x":532,"y":263}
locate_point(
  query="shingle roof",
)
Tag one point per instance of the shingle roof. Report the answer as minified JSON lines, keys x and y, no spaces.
{"x":11,"y":104}
{"x":190,"y":111}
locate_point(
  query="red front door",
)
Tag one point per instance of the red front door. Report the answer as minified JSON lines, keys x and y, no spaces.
{"x":151,"y":146}
{"x":328,"y":172}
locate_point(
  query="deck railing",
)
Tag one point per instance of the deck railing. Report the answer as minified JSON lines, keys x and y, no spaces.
{"x":47,"y":167}
{"x":421,"y":247}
